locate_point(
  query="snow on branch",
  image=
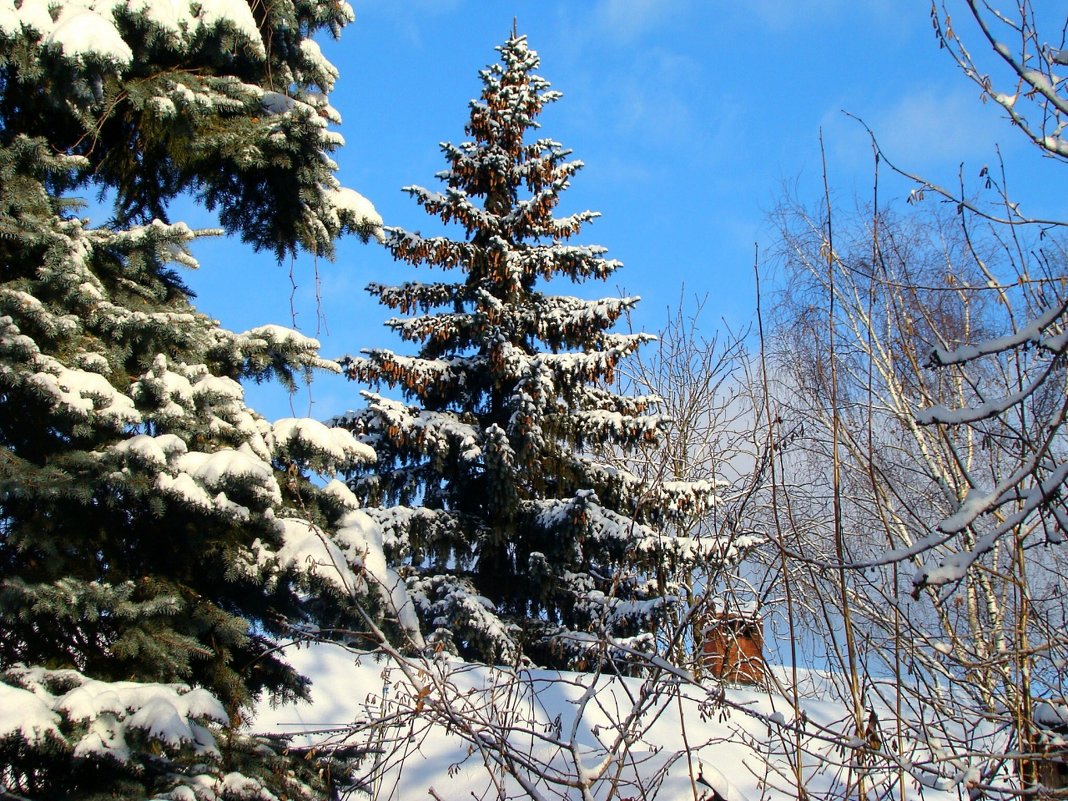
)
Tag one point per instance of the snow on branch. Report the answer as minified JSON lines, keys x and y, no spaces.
{"x":41,"y":706}
{"x":330,"y":450}
{"x":1035,"y":332}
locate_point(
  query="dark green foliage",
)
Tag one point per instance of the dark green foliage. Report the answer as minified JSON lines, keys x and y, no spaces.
{"x":209,"y":110}
{"x":153,"y":528}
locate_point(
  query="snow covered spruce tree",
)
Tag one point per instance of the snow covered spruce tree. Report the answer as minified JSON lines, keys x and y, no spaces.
{"x":516,"y":543}
{"x":158,"y":538}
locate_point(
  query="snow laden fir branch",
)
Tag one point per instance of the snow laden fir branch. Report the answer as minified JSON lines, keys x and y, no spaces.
{"x":259,"y":74}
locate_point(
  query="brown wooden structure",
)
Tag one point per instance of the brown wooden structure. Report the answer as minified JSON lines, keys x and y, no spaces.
{"x":1051,"y":772}
{"x":734,"y":647}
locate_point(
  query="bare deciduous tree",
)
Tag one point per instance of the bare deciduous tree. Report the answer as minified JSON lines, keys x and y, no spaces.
{"x":978,"y":637}
{"x":1019,"y":62}
{"x":712,"y":433}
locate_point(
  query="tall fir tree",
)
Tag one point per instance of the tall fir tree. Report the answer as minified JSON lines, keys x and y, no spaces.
{"x":517,"y":543}
{"x":158,"y":538}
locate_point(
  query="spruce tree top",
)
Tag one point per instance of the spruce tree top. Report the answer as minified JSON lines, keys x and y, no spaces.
{"x":516,"y":539}
{"x":486,"y":181}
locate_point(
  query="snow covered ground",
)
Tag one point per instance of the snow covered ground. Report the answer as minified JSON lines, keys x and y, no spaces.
{"x":441,"y":729}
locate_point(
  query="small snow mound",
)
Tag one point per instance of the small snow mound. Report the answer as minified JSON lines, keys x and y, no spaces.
{"x":80,"y":32}
{"x":721,"y":786}
{"x":352,"y":204}
{"x":25,"y":715}
{"x":340,"y":492}
{"x":150,"y":450}
{"x":335,"y":448}
{"x":160,"y":719}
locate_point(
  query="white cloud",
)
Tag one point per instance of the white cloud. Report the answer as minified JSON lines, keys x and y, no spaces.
{"x":925,"y":128}
{"x":654,"y":99}
{"x":413,"y":19}
{"x":628,"y":20}
{"x":938,"y":126}
{"x":781,"y":15}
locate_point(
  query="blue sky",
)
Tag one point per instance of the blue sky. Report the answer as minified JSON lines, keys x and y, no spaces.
{"x":694,"y":119}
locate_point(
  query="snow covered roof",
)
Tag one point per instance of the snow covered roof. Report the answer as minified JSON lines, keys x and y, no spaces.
{"x":1052,"y":713}
{"x":733,"y":609}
